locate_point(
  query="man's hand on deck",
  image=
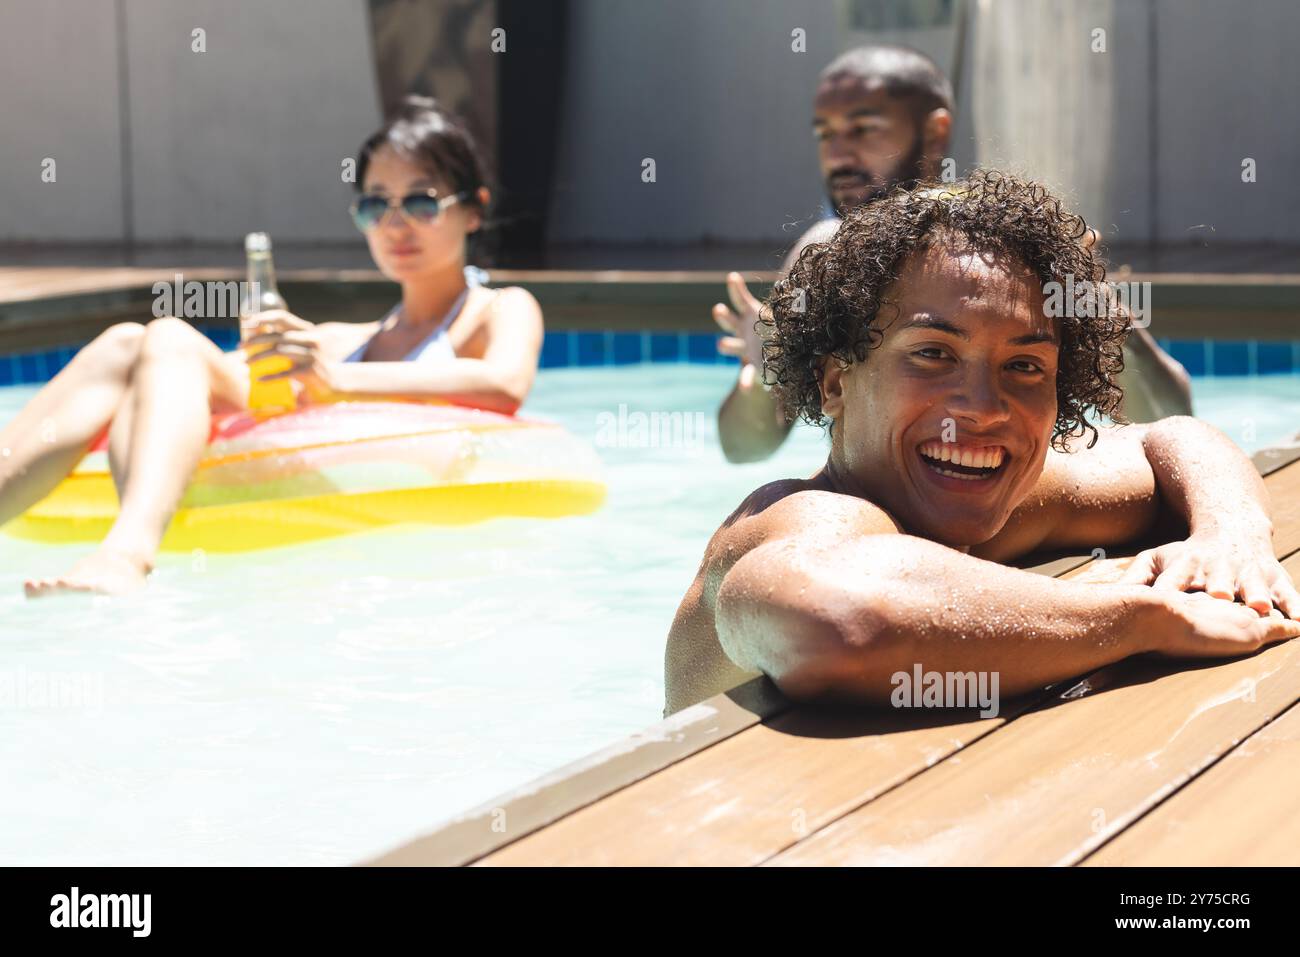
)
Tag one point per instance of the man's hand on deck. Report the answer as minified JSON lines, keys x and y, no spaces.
{"x":1196,"y":625}
{"x":1223,"y":564}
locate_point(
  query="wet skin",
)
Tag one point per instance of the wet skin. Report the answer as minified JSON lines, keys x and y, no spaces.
{"x":966,"y":353}
{"x":967,"y":360}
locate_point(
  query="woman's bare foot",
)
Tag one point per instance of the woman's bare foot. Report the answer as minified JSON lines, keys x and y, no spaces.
{"x":106,"y":572}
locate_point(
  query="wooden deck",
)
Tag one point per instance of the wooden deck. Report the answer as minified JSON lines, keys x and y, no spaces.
{"x":1144,"y":762}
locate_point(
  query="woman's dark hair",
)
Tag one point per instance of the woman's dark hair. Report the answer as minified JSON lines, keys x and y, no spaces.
{"x":830,"y":302}
{"x":434,"y":139}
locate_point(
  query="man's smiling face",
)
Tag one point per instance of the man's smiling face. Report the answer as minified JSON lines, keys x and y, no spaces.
{"x":947,"y":423}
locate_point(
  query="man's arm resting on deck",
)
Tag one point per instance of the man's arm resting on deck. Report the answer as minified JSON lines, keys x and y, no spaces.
{"x":840,"y":621}
{"x":1177,"y":473}
{"x":832,"y":601}
{"x":1209,"y":482}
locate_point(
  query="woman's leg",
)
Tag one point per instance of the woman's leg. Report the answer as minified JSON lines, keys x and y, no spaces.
{"x":179,"y":378}
{"x":50,"y":435}
{"x":119,"y":434}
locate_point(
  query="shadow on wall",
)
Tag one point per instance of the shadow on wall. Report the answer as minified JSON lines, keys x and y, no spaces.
{"x":498,"y":64}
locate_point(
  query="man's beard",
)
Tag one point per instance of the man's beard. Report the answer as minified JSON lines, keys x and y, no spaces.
{"x":906,"y":174}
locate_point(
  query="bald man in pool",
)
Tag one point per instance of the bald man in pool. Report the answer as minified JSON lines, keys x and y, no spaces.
{"x":882,"y":116}
{"x":924,"y":333}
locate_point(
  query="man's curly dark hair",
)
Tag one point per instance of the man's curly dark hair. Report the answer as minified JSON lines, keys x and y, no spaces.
{"x":829,"y":303}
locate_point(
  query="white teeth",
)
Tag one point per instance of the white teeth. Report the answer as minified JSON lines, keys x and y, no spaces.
{"x":959,"y":475}
{"x":986,"y":457}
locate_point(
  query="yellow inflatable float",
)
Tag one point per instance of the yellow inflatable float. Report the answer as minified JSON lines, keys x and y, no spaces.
{"x":333,"y":469}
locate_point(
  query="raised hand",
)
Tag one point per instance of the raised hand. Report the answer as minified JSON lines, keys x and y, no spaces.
{"x":740,"y":320}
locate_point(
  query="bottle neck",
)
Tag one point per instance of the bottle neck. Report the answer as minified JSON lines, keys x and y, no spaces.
{"x":261,"y":271}
{"x":262,"y":292}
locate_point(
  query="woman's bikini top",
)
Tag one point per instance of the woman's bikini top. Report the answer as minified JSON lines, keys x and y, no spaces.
{"x":436,"y":346}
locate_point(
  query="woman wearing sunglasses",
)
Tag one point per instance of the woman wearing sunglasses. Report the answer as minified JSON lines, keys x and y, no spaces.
{"x":156,"y":387}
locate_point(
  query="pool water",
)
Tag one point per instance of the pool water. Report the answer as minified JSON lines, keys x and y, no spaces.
{"x":1253,"y":411}
{"x":320,"y":703}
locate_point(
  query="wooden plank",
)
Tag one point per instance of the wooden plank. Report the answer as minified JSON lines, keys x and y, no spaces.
{"x":746,"y":798}
{"x":539,"y":803}
{"x":1283,"y":486}
{"x":20,"y":284}
{"x":1054,"y":567}
{"x":1239,"y":813}
{"x":1060,"y":781}
{"x":1277,"y":457}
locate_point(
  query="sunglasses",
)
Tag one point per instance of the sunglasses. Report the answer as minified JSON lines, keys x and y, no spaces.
{"x":421,"y":208}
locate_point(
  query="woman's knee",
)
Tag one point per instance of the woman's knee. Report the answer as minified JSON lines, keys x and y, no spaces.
{"x":115,"y":350}
{"x":170,"y":338}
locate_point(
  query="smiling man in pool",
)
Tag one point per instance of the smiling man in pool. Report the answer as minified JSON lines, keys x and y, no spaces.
{"x":959,"y":443}
{"x":882,"y":116}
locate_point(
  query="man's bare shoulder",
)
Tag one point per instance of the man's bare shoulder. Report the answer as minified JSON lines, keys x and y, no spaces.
{"x":1096,"y":492}
{"x":695,"y":666}
{"x":790,"y":508}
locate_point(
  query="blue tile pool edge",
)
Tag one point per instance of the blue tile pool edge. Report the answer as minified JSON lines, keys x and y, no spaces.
{"x":566,"y":349}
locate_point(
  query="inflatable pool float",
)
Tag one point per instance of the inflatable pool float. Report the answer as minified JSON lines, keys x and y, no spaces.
{"x":333,"y":469}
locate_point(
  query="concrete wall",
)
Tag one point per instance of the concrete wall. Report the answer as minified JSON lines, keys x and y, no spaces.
{"x":1147,"y":138}
{"x":1044,"y":104}
{"x":58,"y":100}
{"x":714,"y":95}
{"x":249,"y":134}
{"x":1228,"y":79}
